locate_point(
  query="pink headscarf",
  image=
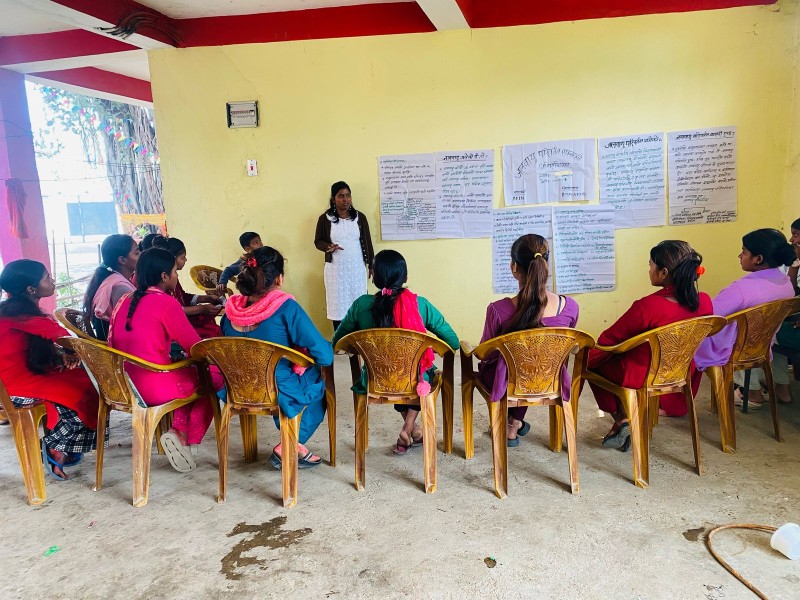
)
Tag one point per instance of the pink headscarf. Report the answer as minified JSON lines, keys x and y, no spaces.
{"x":406,"y":316}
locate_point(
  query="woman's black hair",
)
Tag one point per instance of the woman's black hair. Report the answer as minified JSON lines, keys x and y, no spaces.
{"x":335,"y":189}
{"x":771,"y":245}
{"x":42,"y":355}
{"x":682,"y":261}
{"x":147,"y":241}
{"x":795,"y":224}
{"x":114,"y":247}
{"x":389,"y":273}
{"x":152,"y":264}
{"x":171,"y":244}
{"x":530,"y":254}
{"x":255,"y":279}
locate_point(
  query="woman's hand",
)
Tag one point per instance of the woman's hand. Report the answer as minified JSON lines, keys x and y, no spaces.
{"x":210,"y":309}
{"x":71,"y":361}
{"x":334,"y":248}
{"x":209,"y":298}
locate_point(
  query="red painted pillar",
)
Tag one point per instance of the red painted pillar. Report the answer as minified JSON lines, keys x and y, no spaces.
{"x":17,"y":160}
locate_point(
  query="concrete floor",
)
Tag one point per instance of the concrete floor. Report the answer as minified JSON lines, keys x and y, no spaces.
{"x":392,"y":541}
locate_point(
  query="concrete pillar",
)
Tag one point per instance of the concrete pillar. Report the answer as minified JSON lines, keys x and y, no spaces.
{"x":17,"y":159}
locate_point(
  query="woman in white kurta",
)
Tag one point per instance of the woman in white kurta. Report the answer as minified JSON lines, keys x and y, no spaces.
{"x":343,"y":235}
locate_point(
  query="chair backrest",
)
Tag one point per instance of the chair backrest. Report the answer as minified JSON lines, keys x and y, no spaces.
{"x":673,"y":347}
{"x":105,"y":367}
{"x":534,"y":358}
{"x":392,"y":358}
{"x":248,"y":366}
{"x":75,"y":321}
{"x":205,"y":277}
{"x":756,"y":328}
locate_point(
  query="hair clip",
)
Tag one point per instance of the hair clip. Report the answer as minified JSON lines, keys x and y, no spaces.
{"x":700,"y":270}
{"x":386,"y":292}
{"x":252,"y":262}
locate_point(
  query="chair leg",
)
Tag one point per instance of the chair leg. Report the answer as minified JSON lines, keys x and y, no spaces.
{"x":249,"y":437}
{"x":556,"y":427}
{"x":722,"y":396}
{"x":289,"y":431}
{"x":29,"y":453}
{"x":636,"y":409}
{"x":652,"y":406}
{"x":102,"y":417}
{"x":447,"y":416}
{"x":498,"y":412}
{"x":570,"y":430}
{"x":360,"y":410}
{"x":143,"y":430}
{"x":746,"y":391}
{"x":223,"y":439}
{"x":330,"y":402}
{"x":693,"y":429}
{"x":773,"y":403}
{"x":466,"y":416}
{"x":428,"y":410}
{"x":163,"y":426}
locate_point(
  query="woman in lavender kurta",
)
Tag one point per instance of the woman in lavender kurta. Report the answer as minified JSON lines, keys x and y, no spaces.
{"x":763,"y":252}
{"x":534,"y":306}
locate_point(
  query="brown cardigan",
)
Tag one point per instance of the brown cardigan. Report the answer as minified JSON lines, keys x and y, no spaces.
{"x":322,"y":237}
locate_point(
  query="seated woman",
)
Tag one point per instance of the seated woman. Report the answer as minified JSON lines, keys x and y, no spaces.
{"x":534,"y":306}
{"x":33,"y":368}
{"x":111,"y":281}
{"x":144,"y":324}
{"x":763,"y":252}
{"x":789,"y":333}
{"x":263,"y":311}
{"x":200,"y":308}
{"x":674,"y":267}
{"x":395,"y":306}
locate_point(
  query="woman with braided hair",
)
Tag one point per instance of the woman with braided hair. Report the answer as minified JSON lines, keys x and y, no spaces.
{"x":144,"y":324}
{"x":263,"y":311}
{"x":394,"y":305}
{"x":533,"y":306}
{"x":674,"y":267}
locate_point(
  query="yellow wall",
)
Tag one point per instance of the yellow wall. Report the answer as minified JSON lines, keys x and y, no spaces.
{"x":329,"y":108}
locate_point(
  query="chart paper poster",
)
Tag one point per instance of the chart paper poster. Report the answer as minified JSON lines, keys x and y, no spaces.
{"x":508,"y":225}
{"x":561,"y":171}
{"x":632,"y":179}
{"x":583,"y":238}
{"x":702,"y":176}
{"x":408,"y":196}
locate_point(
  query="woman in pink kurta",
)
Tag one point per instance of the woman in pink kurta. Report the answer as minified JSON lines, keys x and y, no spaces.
{"x":144,"y":324}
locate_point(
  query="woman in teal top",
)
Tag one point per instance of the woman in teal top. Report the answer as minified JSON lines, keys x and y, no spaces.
{"x":395,"y":306}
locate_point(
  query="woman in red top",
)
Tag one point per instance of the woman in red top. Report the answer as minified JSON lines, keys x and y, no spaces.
{"x":33,"y":368}
{"x":674,"y":267}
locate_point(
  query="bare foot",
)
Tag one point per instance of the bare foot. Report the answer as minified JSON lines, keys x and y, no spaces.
{"x":61,"y":458}
{"x":783,"y":391}
{"x":180,"y":435}
{"x":301,"y":450}
{"x":512,"y":428}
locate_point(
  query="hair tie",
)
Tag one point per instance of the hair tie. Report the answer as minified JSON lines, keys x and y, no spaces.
{"x":252,"y":262}
{"x":700,"y":270}
{"x":538,"y":255}
{"x":386,"y":291}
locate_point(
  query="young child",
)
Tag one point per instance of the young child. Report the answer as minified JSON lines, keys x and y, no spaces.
{"x":249,"y":241}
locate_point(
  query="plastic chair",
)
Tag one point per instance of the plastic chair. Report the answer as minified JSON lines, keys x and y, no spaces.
{"x":534,"y":359}
{"x":24,"y":423}
{"x":105,"y":367}
{"x":755,"y":330}
{"x":75,"y":321}
{"x":672,"y":348}
{"x":207,"y":278}
{"x":248,"y":366}
{"x":392,"y":359}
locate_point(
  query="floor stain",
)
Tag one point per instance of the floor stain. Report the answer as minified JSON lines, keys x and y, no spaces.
{"x":693,"y":534}
{"x":490,"y":562}
{"x":266,"y":535}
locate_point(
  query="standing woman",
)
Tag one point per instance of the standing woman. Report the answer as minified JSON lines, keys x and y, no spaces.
{"x":343,"y":235}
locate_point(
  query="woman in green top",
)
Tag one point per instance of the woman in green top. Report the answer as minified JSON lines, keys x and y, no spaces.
{"x":395,"y":306}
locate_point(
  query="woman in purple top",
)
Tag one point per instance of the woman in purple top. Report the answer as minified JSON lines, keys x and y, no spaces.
{"x":534,"y":306}
{"x":763,"y":252}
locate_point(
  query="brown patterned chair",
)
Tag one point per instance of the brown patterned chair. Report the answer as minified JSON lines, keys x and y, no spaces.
{"x":207,"y":278}
{"x":24,"y":422}
{"x":248,"y":366}
{"x":534,"y":359}
{"x":75,"y":321}
{"x":756,"y":329}
{"x":672,"y":349}
{"x":392,"y":359}
{"x":105,"y":367}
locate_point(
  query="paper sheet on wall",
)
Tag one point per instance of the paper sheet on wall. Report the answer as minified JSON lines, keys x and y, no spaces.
{"x":702,"y":176}
{"x":560,"y":171}
{"x":441,"y":195}
{"x":508,"y":225}
{"x":632,"y":179}
{"x":583,"y":238}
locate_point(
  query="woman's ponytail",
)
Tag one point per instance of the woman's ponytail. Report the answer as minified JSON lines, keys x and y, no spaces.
{"x":530,"y":253}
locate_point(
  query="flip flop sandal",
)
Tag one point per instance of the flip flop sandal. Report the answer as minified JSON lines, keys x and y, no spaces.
{"x":75,"y":458}
{"x":524,"y":428}
{"x":619,"y":438}
{"x":180,"y":457}
{"x":302,"y":462}
{"x":416,"y":442}
{"x":50,"y":462}
{"x":400,"y":449}
{"x":513,"y":443}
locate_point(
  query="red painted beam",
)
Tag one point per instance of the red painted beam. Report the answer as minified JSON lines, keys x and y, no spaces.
{"x":506,"y":13}
{"x":336,"y":22}
{"x":468,"y":10}
{"x":18,"y":49}
{"x":101,"y":81}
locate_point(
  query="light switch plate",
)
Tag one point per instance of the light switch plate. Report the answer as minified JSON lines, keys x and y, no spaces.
{"x":252,"y":168}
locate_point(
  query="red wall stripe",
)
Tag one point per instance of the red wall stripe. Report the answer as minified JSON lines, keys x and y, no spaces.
{"x":102,"y":81}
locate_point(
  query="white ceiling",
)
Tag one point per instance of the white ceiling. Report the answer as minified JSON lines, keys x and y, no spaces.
{"x":133,"y":64}
{"x":18,"y":19}
{"x":190,"y":9}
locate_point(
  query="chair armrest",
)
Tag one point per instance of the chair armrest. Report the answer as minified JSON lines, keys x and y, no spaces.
{"x":466,"y":348}
{"x":627,"y":345}
{"x":181,"y":364}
